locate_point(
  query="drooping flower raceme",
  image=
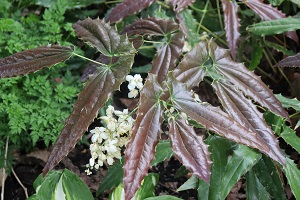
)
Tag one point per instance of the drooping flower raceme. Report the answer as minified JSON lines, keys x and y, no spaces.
{"x":135,"y":85}
{"x":107,"y":141}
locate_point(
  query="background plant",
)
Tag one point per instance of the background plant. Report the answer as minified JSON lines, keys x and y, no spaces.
{"x":168,"y":90}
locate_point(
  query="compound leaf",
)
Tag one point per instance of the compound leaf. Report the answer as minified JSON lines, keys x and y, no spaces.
{"x":127,"y":8}
{"x":145,"y":135}
{"x":213,"y":118}
{"x":151,"y":26}
{"x":93,"y":96}
{"x":189,"y":149}
{"x":103,"y":37}
{"x":232,"y":24}
{"x":246,"y":113}
{"x":33,"y":60}
{"x":245,"y":80}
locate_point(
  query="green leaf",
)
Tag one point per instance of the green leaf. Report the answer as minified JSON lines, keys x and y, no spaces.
{"x":33,"y":60}
{"x":293,"y":175}
{"x":74,"y":187}
{"x":63,"y":185}
{"x":118,"y":193}
{"x":256,"y":56}
{"x":269,"y":177}
{"x":147,"y":188}
{"x":113,"y":177}
{"x":191,"y":26}
{"x":163,"y":197}
{"x":230,"y":162}
{"x":280,"y":48}
{"x":289,"y":135}
{"x":71,"y":3}
{"x":254,"y":189}
{"x":191,"y":183}
{"x":289,"y":103}
{"x":275,"y":26}
{"x":163,"y":152}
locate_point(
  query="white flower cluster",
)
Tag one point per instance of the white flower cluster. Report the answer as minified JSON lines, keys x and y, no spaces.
{"x":135,"y":85}
{"x":107,"y":142}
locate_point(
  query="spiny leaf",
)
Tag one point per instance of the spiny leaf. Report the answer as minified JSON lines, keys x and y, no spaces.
{"x":275,"y":26}
{"x":191,"y":69}
{"x":145,"y":135}
{"x":90,"y":100}
{"x":232,"y":24}
{"x":33,"y":60}
{"x":103,"y":37}
{"x":213,"y":118}
{"x":246,"y":113}
{"x":127,"y":8}
{"x":245,"y":80}
{"x":178,"y":5}
{"x":291,"y":61}
{"x":293,"y":175}
{"x":267,"y":12}
{"x":151,"y":26}
{"x":167,"y":56}
{"x":189,"y":149}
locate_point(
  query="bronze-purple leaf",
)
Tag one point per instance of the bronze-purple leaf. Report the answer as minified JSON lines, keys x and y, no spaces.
{"x":189,"y":148}
{"x":103,"y":37}
{"x":178,"y":5}
{"x":291,"y":61}
{"x":245,"y":112}
{"x":127,"y":8}
{"x":232,"y":24}
{"x":151,"y":26}
{"x":213,"y":118}
{"x":249,"y":83}
{"x":33,"y":60}
{"x":145,"y":135}
{"x":268,"y":12}
{"x":93,"y":96}
{"x":167,"y":56}
{"x":191,"y":69}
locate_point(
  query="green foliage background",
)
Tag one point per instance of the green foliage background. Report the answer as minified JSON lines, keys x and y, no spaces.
{"x":34,"y":107}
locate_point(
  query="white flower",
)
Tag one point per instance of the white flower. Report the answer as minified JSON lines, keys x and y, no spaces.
{"x":133,"y":93}
{"x":107,"y":142}
{"x":135,"y":84}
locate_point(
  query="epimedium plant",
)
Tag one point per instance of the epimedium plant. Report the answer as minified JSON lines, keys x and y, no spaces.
{"x":168,"y":96}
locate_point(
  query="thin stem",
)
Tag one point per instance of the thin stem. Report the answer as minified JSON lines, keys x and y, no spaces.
{"x":219,"y":15}
{"x":202,"y":17}
{"x":85,"y":58}
{"x":24,"y":188}
{"x":214,"y":35}
{"x":266,"y":74}
{"x":4,"y":169}
{"x":268,"y":59}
